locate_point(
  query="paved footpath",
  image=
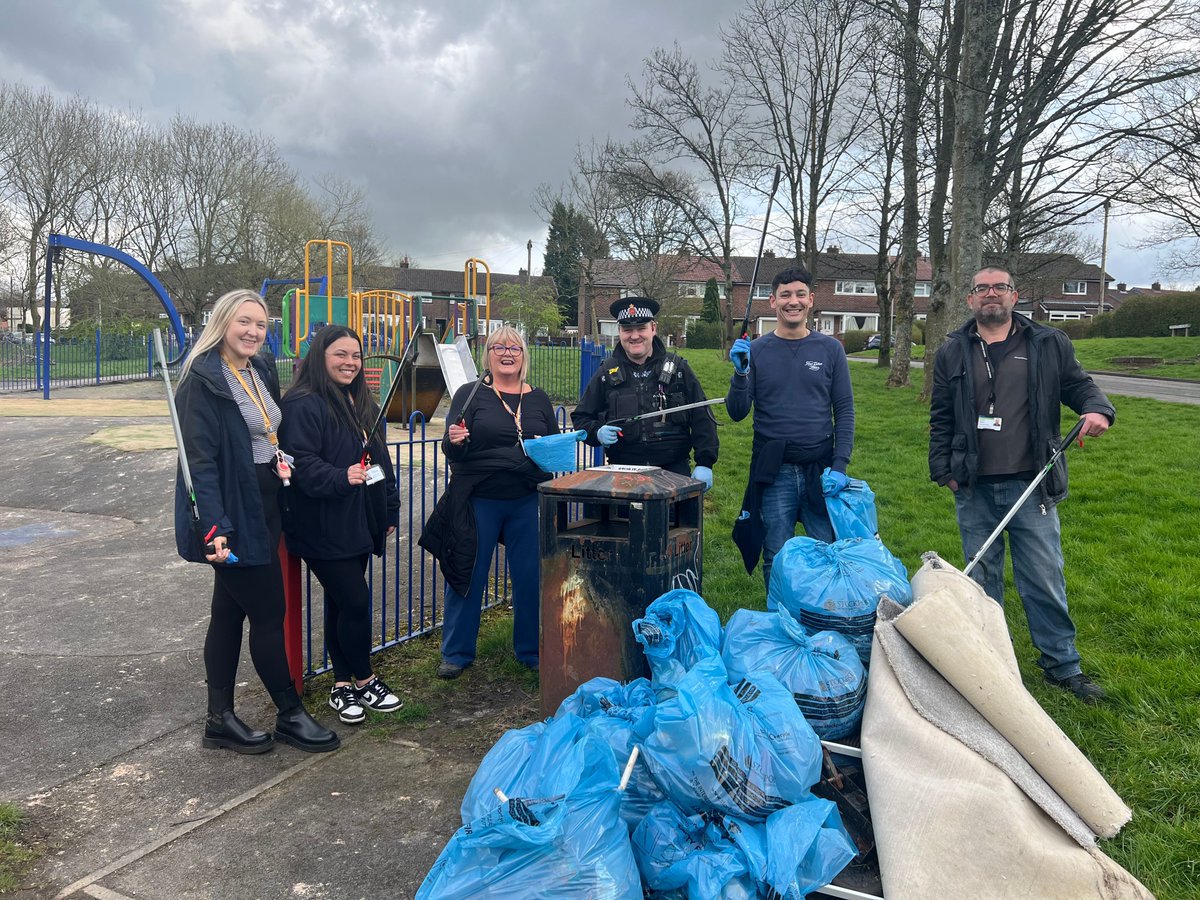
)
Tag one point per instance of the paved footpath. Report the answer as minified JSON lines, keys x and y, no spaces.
{"x":102,"y":669}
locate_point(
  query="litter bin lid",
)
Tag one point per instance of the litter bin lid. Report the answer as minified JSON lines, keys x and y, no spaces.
{"x":623,"y":482}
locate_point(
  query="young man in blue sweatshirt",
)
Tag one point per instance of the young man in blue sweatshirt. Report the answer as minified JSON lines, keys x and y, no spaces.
{"x":798,"y":382}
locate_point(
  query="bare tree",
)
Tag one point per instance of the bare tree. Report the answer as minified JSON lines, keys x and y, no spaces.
{"x":800,"y":66}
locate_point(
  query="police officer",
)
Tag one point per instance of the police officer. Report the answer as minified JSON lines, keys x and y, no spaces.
{"x":642,"y":377}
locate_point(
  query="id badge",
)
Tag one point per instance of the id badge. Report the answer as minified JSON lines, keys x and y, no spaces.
{"x":989,"y":423}
{"x":374,"y":474}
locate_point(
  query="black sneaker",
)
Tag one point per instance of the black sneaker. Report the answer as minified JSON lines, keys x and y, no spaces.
{"x":343,"y":699}
{"x":449,"y":671}
{"x":1079,"y":685}
{"x":378,"y":696}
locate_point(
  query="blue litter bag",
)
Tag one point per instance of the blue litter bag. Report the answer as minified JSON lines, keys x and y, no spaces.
{"x":623,"y":715}
{"x":836,"y":587}
{"x":744,"y":750}
{"x":690,"y":856}
{"x":822,"y":671}
{"x":798,"y":850}
{"x":558,"y":836}
{"x":852,"y":509}
{"x":678,"y":630}
{"x":555,"y":452}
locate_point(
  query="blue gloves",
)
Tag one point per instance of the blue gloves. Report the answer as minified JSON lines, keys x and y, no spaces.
{"x":704,"y":474}
{"x":739,"y":355}
{"x":833,"y":482}
{"x":607,"y":435}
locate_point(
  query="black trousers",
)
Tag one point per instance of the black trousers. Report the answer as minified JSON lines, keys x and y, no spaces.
{"x":254,"y":593}
{"x":347,"y":615}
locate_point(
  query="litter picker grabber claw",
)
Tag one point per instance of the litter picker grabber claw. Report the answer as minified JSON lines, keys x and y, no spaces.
{"x":184,"y":470}
{"x":665,"y":412}
{"x":1062,"y":448}
{"x":745,"y":332}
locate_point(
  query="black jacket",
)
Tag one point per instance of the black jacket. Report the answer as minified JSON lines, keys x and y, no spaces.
{"x":326,"y":517}
{"x":621,"y":389}
{"x":1055,"y":378}
{"x":449,"y":533}
{"x":222,"y":465}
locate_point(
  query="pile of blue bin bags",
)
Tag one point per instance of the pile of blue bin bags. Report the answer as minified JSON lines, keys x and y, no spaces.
{"x":728,"y":733}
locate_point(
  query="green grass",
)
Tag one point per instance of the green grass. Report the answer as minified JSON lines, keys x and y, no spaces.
{"x":15,"y":855}
{"x":1181,"y":356}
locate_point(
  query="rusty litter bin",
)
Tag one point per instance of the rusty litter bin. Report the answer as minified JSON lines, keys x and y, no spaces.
{"x":613,"y":538}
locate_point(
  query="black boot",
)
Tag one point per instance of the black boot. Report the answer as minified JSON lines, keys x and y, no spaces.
{"x":223,"y":728}
{"x":295,"y":726}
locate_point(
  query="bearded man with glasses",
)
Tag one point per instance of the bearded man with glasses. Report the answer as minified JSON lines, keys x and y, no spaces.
{"x":999,"y":383}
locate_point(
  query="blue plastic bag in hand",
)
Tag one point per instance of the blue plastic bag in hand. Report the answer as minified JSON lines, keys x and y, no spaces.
{"x":836,"y":587}
{"x":623,"y":715}
{"x":559,"y":833}
{"x":678,"y":630}
{"x":851,"y":509}
{"x":822,"y":671}
{"x":692,"y":855}
{"x":744,"y":750}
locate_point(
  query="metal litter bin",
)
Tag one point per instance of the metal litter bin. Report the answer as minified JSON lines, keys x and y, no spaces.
{"x":613,"y":539}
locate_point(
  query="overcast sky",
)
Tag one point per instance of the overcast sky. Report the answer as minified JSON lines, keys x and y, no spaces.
{"x":449,"y":114}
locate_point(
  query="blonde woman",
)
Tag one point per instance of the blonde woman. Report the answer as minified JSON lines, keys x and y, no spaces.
{"x":228,"y":403}
{"x":492,"y":497}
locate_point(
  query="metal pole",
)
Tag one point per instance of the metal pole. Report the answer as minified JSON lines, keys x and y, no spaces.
{"x":1104,"y":258}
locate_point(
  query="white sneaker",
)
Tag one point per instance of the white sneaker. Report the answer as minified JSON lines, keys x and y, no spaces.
{"x":344,"y":699}
{"x":378,"y":696}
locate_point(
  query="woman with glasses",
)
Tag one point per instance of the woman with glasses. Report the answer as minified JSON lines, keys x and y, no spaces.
{"x":492,"y":497}
{"x":342,"y":508}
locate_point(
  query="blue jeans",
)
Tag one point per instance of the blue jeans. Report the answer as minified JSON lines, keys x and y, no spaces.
{"x":517,"y":521}
{"x":1033,"y":537}
{"x":784,"y":503}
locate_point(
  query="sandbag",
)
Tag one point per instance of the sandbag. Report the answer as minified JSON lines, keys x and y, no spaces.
{"x":823,"y":671}
{"x":678,"y":630}
{"x":851,"y":508}
{"x":958,"y":812}
{"x":558,"y":835}
{"x":836,"y":587}
{"x":743,"y":750}
{"x":623,"y":716}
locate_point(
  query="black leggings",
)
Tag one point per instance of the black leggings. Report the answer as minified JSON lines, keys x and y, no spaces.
{"x":254,"y":593}
{"x":347,"y":615}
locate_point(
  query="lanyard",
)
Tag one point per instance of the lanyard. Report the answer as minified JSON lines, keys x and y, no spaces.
{"x":991,"y":373}
{"x":257,"y":399}
{"x":515,"y":415}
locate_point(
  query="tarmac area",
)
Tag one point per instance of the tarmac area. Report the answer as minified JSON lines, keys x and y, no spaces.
{"x":102,"y":670}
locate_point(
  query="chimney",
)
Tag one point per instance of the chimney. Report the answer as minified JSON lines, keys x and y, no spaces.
{"x":1122,"y":286}
{"x":523,"y":273}
{"x":833,"y":250}
{"x":405,"y":263}
{"x":1156,"y":286}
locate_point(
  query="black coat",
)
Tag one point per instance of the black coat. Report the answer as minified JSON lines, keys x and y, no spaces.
{"x":449,"y":533}
{"x":1055,"y":378}
{"x":222,"y":465}
{"x":326,"y":517}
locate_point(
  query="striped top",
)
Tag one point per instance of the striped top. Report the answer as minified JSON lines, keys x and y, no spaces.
{"x":263,"y":451}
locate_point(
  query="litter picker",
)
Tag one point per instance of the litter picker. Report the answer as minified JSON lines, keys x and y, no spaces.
{"x":1062,"y":448}
{"x":666,"y":412}
{"x":197,"y":528}
{"x":745,"y":332}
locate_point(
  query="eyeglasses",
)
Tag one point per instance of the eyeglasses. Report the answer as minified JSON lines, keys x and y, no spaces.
{"x":499,"y":348}
{"x":981,"y":290}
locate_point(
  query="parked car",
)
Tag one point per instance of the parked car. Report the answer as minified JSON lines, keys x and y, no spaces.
{"x":875,"y":341}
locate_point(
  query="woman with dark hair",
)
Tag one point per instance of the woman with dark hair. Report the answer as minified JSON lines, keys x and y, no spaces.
{"x":492,"y":497}
{"x":228,"y":404}
{"x":343,"y":507}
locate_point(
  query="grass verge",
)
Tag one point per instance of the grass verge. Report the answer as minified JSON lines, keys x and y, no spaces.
{"x":15,"y":854}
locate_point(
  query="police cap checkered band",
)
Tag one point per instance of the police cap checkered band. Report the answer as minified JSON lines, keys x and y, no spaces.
{"x":631,"y":310}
